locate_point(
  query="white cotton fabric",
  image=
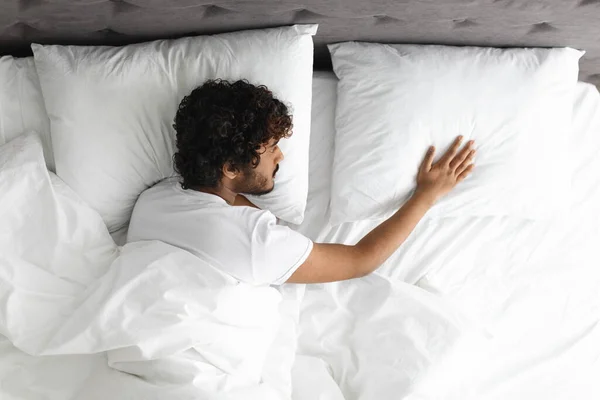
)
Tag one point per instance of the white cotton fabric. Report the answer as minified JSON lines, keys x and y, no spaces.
{"x":22,"y":104}
{"x":112,"y":109}
{"x":43,"y":223}
{"x":243,"y":242}
{"x":394,"y":101}
{"x":199,"y":328}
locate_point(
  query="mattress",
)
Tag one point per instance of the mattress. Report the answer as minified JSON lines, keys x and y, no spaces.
{"x":526,"y":293}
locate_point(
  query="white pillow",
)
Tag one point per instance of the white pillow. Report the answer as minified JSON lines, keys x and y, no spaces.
{"x":112,"y":110}
{"x":21,"y":103}
{"x":394,"y":101}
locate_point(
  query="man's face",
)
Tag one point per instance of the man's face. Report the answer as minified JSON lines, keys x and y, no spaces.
{"x":261,"y":180}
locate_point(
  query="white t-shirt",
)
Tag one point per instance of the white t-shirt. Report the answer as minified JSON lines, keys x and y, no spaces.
{"x":243,"y":242}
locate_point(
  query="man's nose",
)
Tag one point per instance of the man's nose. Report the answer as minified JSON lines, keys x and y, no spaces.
{"x":280,"y":156}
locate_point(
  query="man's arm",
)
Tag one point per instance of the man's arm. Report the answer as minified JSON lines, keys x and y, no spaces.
{"x":336,"y":262}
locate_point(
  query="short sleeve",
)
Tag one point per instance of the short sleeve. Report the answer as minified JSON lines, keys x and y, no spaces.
{"x":276,"y":250}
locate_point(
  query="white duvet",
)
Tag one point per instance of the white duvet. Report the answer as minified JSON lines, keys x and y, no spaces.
{"x":167,"y":317}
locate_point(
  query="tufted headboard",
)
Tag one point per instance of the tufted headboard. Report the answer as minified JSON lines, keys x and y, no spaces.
{"x":506,"y":23}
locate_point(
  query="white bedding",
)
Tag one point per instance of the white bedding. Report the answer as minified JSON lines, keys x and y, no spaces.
{"x":510,"y":310}
{"x":79,"y":319}
{"x":394,"y":101}
{"x":531,"y":288}
{"x":535,"y":289}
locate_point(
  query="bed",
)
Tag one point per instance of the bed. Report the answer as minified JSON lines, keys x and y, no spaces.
{"x":467,"y":308}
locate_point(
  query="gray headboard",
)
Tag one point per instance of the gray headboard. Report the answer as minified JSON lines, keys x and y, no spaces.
{"x":505,"y":23}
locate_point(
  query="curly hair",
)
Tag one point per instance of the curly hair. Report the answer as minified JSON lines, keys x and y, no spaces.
{"x":222,"y":122}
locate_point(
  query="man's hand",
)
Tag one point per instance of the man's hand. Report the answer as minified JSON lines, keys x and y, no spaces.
{"x":335,"y":262}
{"x":436,"y":180}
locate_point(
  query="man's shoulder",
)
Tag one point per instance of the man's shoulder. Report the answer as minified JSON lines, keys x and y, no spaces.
{"x":167,"y":184}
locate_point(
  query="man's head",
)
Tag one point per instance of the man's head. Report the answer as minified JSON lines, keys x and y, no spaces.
{"x":228,"y":134}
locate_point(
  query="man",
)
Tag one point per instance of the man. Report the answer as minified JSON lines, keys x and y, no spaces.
{"x":227,"y":144}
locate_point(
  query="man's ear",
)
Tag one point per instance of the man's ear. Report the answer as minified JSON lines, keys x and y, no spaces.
{"x":229,"y":171}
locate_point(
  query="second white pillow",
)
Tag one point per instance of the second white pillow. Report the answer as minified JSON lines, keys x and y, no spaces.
{"x":394,"y":101}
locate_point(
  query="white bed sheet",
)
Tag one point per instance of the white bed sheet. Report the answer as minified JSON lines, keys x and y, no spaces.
{"x":533,"y":288}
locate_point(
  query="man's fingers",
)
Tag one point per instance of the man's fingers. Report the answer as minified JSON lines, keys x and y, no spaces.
{"x":465,"y":173}
{"x":446,"y":158}
{"x":465,"y":163}
{"x":428,"y":160}
{"x":461,"y":156}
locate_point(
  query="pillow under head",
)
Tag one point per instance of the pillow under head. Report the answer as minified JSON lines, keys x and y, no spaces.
{"x":112,"y":110}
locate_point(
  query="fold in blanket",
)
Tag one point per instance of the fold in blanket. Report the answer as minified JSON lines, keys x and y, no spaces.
{"x":162,"y":314}
{"x":168,"y":317}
